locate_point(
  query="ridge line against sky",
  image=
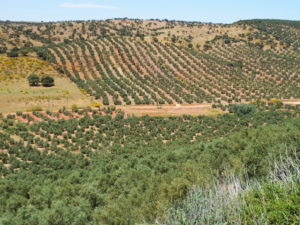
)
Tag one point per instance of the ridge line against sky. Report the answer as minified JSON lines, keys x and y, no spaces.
{"x":216,"y":11}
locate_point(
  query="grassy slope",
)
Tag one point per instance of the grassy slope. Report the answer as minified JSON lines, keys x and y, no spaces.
{"x":21,"y":67}
{"x":17,"y":95}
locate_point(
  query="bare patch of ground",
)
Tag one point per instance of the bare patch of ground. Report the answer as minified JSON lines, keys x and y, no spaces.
{"x":171,"y":110}
{"x":16,"y":95}
{"x":292,"y":101}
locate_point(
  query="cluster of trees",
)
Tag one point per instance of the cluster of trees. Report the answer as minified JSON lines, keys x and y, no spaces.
{"x":15,"y":52}
{"x":94,"y":169}
{"x":35,"y":81}
{"x":242,"y":109}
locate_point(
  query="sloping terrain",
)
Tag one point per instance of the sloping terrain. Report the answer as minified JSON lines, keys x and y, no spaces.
{"x":132,"y":71}
{"x":97,"y":167}
{"x":136,"y":62}
{"x":21,"y":67}
{"x":17,"y":95}
{"x":22,"y":34}
{"x":286,"y":32}
{"x":105,"y":166}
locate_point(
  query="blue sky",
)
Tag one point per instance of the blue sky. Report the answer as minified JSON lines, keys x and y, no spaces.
{"x":218,"y":11}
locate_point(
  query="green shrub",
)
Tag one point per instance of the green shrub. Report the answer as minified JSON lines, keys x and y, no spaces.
{"x":47,"y":81}
{"x":13,"y":54}
{"x":36,"y":108}
{"x":33,"y":80}
{"x":275,"y":203}
{"x":242,"y":109}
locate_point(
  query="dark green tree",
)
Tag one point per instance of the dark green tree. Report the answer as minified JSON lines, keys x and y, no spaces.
{"x":13,"y":54}
{"x":33,"y":80}
{"x":3,"y":50}
{"x":242,"y":109}
{"x":47,"y":81}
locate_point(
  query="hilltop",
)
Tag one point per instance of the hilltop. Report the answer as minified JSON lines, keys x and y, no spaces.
{"x":26,"y":34}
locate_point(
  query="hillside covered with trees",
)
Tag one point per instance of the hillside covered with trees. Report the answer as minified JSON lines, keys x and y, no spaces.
{"x":167,"y":62}
{"x":71,"y":154}
{"x":53,"y":173}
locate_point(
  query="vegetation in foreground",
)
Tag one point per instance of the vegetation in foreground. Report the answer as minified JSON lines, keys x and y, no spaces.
{"x":272,"y":200}
{"x":54,"y":174}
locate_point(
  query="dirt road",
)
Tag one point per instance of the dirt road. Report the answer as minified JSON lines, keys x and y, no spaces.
{"x":171,"y":110}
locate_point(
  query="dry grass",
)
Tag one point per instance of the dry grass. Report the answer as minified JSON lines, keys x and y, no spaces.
{"x":21,"y":67}
{"x":171,"y":110}
{"x":226,"y":202}
{"x":200,"y":32}
{"x":292,"y":101}
{"x":17,"y":95}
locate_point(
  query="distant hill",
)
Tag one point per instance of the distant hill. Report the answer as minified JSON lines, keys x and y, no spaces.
{"x":285,"y":31}
{"x":26,"y":34}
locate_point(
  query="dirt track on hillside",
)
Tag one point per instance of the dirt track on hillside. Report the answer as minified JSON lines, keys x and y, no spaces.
{"x":170,"y":110}
{"x":177,"y":110}
{"x":292,"y":101}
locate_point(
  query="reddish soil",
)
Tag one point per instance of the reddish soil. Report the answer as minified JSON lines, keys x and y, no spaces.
{"x":50,"y":117}
{"x":20,"y":118}
{"x":36,"y":119}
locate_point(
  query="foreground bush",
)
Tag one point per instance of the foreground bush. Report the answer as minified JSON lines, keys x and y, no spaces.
{"x":242,"y":109}
{"x":275,"y":200}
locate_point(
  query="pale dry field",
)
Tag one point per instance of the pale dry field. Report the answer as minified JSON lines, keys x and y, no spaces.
{"x":292,"y":101}
{"x":171,"y":110}
{"x":17,"y":95}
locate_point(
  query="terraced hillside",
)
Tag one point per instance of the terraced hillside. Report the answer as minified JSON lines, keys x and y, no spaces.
{"x":135,"y":62}
{"x":107,"y":166}
{"x":284,"y":31}
{"x":89,"y":166}
{"x":132,"y":71}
